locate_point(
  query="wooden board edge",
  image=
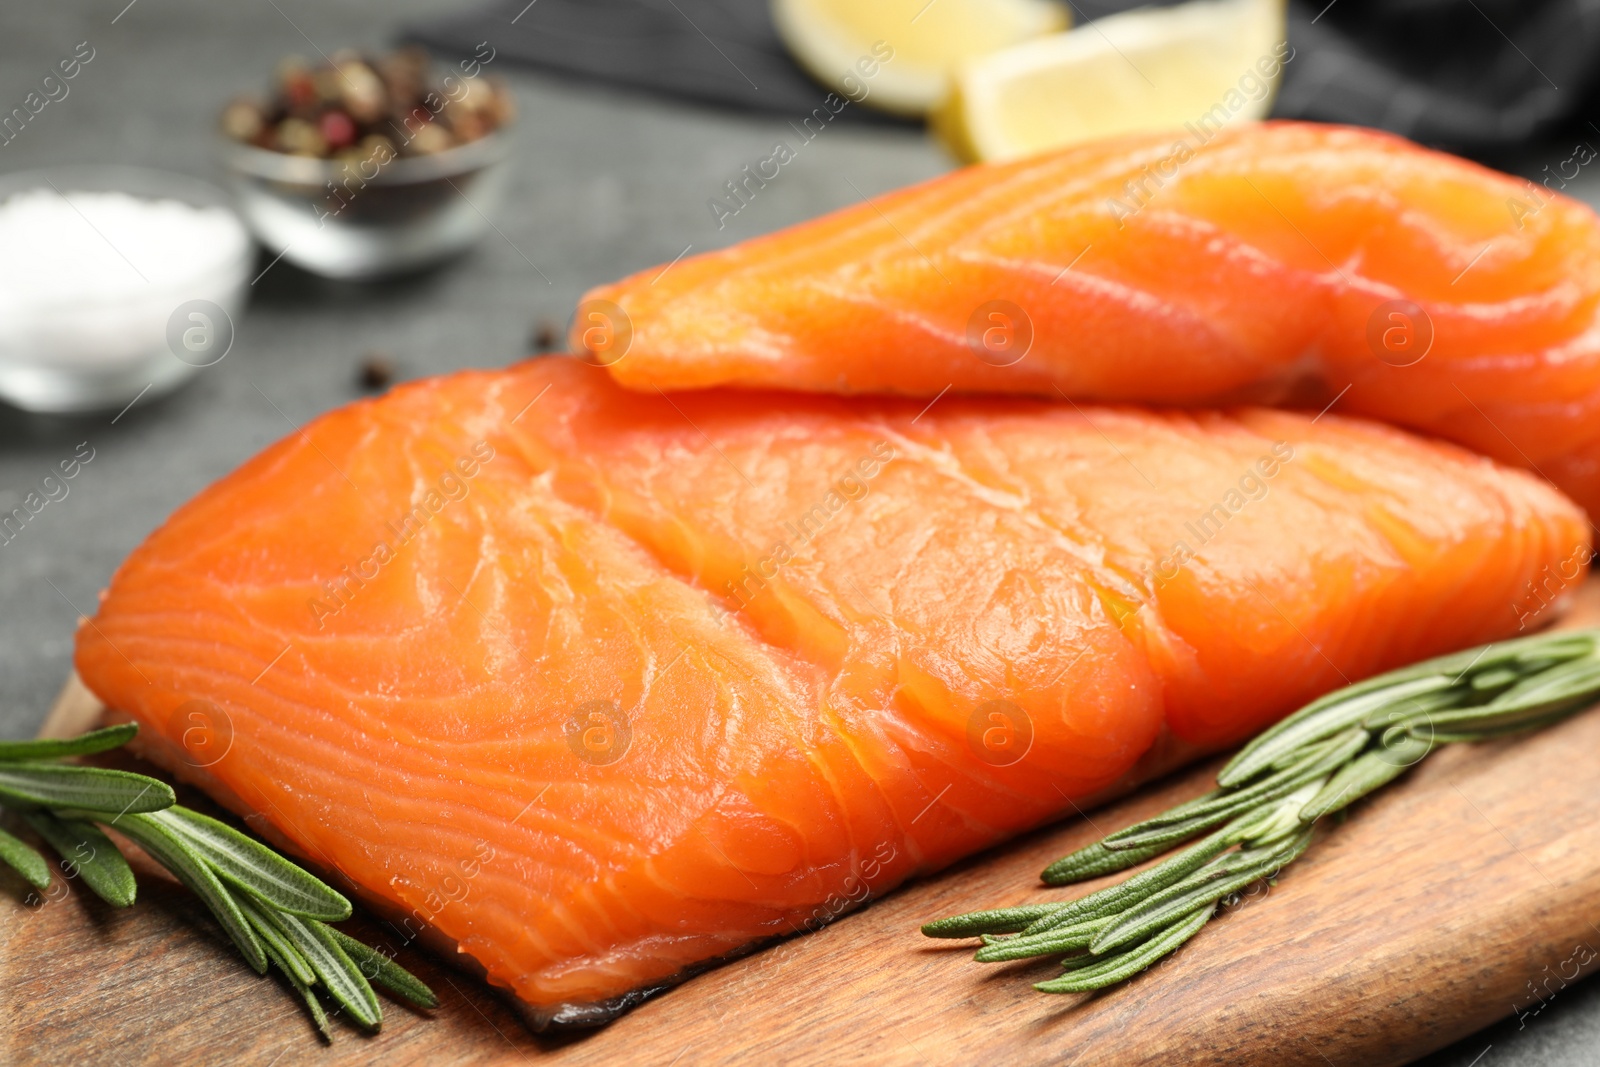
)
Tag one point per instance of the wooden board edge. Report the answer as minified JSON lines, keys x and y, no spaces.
{"x":75,"y":710}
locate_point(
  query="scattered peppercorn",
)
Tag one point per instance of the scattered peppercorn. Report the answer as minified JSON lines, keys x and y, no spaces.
{"x":377,"y":371}
{"x":546,"y":335}
{"x":377,"y":108}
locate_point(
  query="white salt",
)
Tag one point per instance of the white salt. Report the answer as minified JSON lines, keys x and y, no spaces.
{"x":90,"y":278}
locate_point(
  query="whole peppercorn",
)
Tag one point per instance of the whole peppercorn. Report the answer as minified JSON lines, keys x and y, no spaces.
{"x":377,"y":151}
{"x":295,"y":86}
{"x":376,"y":371}
{"x":392,"y":106}
{"x":327,"y":82}
{"x":337,"y":129}
{"x":242,"y":120}
{"x":362,"y":92}
{"x":299,"y":137}
{"x":466,"y":125}
{"x":430,"y":139}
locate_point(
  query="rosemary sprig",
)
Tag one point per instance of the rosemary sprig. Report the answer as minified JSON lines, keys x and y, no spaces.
{"x":1269,"y":800}
{"x":274,"y":911}
{"x":89,"y":854}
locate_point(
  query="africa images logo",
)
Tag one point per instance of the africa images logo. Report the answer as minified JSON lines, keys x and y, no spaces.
{"x":599,"y":732}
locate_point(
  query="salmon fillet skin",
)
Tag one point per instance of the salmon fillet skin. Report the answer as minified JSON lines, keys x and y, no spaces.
{"x":599,"y":686}
{"x":1281,"y":263}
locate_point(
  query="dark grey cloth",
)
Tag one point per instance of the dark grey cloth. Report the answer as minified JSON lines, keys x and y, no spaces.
{"x":723,"y":52}
{"x":1474,"y":75}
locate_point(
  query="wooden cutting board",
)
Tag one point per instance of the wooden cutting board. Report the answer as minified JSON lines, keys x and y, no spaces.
{"x":1437,"y":908}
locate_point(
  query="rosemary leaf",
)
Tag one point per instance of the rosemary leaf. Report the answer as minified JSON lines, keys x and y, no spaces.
{"x":1178,"y":812}
{"x":90,"y":853}
{"x":1061,"y":939}
{"x":1314,"y":763}
{"x":1163,"y":908}
{"x":1119,"y":897}
{"x":1520,"y":726}
{"x":1417,"y":709}
{"x":1373,"y":770}
{"x":279,"y":948}
{"x":992,"y":921}
{"x":1553,"y":648}
{"x":1080,"y":961}
{"x":82,"y":745}
{"x":1488,"y":722}
{"x":307,"y":994}
{"x":1333,"y":714}
{"x":1528,"y":655}
{"x":59,"y":785}
{"x":25,"y":860}
{"x":1558,"y":686}
{"x":1092,"y":861}
{"x":170,"y":849}
{"x":1121,"y":967}
{"x":272,"y":909}
{"x":1159,"y":835}
{"x":1065,"y":915}
{"x":338,"y":974}
{"x":1485,"y":722}
{"x":1307,"y":762}
{"x":1306,"y":755}
{"x":1321,"y":759}
{"x":377,"y":967}
{"x":1282,"y":821}
{"x":1535,"y":652}
{"x":256,"y":869}
{"x":1498,"y":678}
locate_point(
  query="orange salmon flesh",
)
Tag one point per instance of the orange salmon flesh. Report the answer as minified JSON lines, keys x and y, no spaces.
{"x":1281,"y":263}
{"x":601,"y":686}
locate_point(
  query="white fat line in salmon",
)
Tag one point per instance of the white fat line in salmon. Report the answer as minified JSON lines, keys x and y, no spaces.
{"x":451,"y":486}
{"x":1254,"y":84}
{"x":1252,"y":487}
{"x":450,"y":889}
{"x":856,"y":889}
{"x":1550,"y":585}
{"x":852,"y":486}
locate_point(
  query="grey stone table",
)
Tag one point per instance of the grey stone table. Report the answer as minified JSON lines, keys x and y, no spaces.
{"x":606,"y":182}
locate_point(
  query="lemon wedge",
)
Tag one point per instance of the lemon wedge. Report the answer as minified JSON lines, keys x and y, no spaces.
{"x":1205,"y":63}
{"x":899,"y":55}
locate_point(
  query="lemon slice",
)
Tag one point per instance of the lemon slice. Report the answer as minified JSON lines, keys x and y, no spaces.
{"x":1205,"y":63}
{"x":898,"y":55}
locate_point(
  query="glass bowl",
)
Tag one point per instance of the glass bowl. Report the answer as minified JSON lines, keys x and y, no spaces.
{"x":72,"y":340}
{"x":373,"y":219}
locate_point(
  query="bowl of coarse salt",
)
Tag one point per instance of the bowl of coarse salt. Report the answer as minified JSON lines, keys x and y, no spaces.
{"x":115,"y":283}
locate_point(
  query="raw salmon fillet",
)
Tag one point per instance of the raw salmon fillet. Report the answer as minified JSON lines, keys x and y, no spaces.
{"x":1282,"y":263}
{"x":602,"y":686}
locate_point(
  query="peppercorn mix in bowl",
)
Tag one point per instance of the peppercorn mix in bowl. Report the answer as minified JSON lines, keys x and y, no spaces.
{"x":367,"y":166}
